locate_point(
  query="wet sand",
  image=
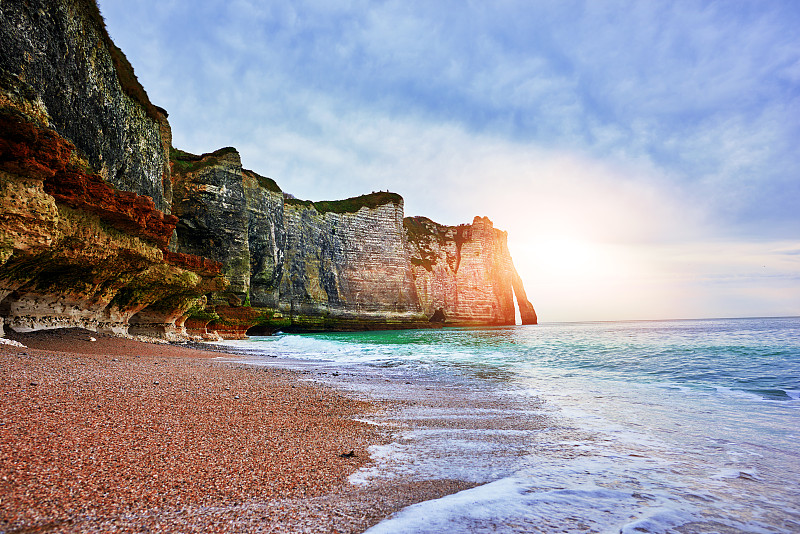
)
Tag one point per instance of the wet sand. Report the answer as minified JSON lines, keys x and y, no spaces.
{"x":116,"y":435}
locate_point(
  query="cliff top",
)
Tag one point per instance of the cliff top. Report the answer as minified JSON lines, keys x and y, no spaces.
{"x":348,"y":205}
{"x":267,"y":183}
{"x":420,"y":227}
{"x":184,"y":162}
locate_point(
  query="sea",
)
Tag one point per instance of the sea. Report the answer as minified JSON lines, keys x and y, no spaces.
{"x":688,"y":426}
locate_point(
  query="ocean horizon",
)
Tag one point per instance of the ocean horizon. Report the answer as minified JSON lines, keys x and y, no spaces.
{"x":658,"y":426}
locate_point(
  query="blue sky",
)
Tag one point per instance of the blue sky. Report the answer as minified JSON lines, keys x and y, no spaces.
{"x":642,"y":155}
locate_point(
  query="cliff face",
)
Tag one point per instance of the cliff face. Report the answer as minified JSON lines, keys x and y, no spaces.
{"x":77,"y":252}
{"x":59,"y":66}
{"x":335,"y":265}
{"x":346,"y":267}
{"x":464,"y":274}
{"x":209,"y":201}
{"x":266,"y":237}
{"x":295,"y":265}
{"x":84,"y":185}
{"x":104,"y":225}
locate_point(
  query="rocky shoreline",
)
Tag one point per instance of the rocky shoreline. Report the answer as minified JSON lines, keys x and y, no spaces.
{"x":119,"y":435}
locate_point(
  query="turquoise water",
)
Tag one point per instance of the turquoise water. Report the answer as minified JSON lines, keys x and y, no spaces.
{"x":656,"y":426}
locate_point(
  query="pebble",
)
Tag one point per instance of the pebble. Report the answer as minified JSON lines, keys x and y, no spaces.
{"x":168,"y":449}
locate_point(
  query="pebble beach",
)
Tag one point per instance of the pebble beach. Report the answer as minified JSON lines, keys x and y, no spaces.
{"x":107,"y":434}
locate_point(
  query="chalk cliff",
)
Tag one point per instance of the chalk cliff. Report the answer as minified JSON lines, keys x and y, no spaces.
{"x":464,"y":274}
{"x":209,"y":201}
{"x":346,"y":266}
{"x":104,"y":225}
{"x":266,"y":237}
{"x":292,"y":264}
{"x":335,"y":265}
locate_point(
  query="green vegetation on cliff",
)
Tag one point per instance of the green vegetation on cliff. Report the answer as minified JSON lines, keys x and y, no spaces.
{"x":243,"y":317}
{"x":267,"y":183}
{"x":420,"y":231}
{"x":419,"y":228}
{"x":201,"y":312}
{"x":349,"y":205}
{"x":184,"y":162}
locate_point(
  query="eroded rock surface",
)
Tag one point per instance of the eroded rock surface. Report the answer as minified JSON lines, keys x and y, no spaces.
{"x":347,"y":267}
{"x":209,"y":201}
{"x":59,"y":66}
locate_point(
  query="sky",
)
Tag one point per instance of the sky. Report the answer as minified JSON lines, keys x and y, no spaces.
{"x":644,"y":157}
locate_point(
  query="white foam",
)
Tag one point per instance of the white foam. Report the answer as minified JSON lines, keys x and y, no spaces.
{"x":370,"y":422}
{"x":516,"y":505}
{"x":288,"y":346}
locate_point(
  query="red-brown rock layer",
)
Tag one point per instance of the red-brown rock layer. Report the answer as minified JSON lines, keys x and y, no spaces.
{"x":37,"y":152}
{"x":78,"y":252}
{"x":193,"y":263}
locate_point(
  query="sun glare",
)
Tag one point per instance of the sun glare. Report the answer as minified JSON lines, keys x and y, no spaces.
{"x":572,"y":258}
{"x":576,"y":279}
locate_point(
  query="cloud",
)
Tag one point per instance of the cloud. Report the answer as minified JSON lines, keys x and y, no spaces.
{"x":695,"y":92}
